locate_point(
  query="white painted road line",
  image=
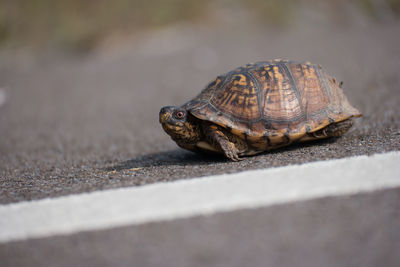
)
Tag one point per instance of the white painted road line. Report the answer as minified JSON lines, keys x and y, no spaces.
{"x":198,"y":196}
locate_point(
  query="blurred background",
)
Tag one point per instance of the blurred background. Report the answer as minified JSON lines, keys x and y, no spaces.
{"x":81,"y":26}
{"x":82,"y":81}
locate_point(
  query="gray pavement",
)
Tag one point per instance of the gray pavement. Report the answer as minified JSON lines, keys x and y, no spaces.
{"x":358,"y":230}
{"x":71,"y":125}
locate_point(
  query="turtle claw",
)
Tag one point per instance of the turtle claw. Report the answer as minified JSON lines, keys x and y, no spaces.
{"x":231,"y":152}
{"x":235,"y":157}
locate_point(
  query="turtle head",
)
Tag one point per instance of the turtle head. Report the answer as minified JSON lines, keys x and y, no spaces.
{"x":180,"y":124}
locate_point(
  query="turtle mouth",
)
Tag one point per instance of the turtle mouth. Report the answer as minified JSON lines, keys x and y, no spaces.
{"x":165,"y":117}
{"x":168,"y":123}
{"x":166,"y":114}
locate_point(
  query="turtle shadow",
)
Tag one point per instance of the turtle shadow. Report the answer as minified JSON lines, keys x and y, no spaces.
{"x":171,"y":157}
{"x":179,"y":157}
{"x":306,"y":147}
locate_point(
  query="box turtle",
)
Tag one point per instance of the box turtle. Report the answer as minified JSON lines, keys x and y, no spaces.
{"x":259,"y":107}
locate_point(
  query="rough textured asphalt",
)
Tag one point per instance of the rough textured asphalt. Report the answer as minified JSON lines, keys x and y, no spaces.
{"x":71,"y":125}
{"x":359,"y":230}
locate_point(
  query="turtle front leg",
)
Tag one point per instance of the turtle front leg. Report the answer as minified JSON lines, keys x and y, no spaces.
{"x":217,"y":138}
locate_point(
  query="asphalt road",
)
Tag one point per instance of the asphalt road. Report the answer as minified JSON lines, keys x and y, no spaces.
{"x":71,"y":125}
{"x":357,"y":230}
{"x":88,"y":123}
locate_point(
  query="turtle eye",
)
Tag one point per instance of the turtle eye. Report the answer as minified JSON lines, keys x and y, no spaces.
{"x":179,"y":114}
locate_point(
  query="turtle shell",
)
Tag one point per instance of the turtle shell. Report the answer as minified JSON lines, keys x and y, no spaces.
{"x":281,"y":100}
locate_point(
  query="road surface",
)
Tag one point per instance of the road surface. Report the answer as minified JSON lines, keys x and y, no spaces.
{"x":72,"y":125}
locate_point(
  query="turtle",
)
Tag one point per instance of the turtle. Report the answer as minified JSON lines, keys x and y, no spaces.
{"x":259,"y":107}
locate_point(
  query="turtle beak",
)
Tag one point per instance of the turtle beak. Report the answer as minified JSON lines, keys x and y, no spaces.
{"x":165,"y":114}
